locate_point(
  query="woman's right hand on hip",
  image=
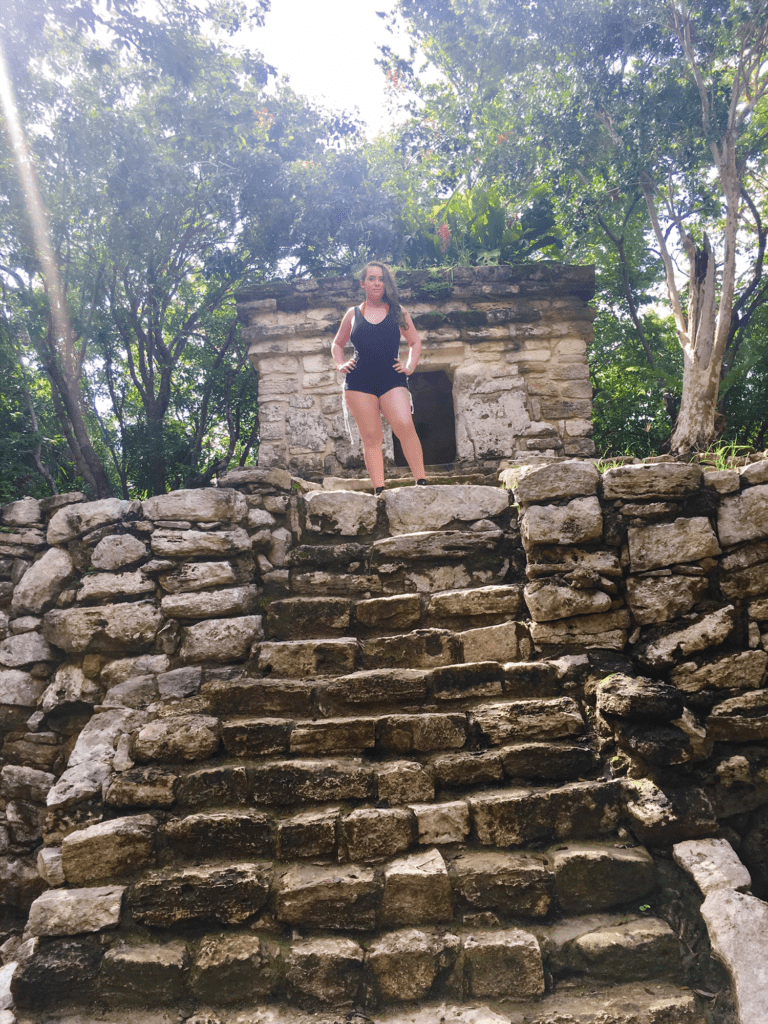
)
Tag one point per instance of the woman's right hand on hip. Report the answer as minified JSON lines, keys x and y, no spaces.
{"x":346,"y":367}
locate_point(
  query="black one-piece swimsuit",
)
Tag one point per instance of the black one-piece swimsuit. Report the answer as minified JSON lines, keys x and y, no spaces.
{"x":377,"y":346}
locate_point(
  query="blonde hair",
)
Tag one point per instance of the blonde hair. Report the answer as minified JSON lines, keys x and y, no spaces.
{"x":391,"y":296}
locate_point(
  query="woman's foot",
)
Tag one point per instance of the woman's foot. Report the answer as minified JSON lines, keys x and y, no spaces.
{"x":377,"y":490}
{"x":421,"y":483}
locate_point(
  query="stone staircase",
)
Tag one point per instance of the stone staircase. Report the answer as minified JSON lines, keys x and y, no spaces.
{"x":388,"y":812}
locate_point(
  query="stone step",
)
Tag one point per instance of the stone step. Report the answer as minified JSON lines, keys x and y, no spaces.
{"x":421,"y":648}
{"x":483,"y":725}
{"x":402,"y":964}
{"x":301,"y":618}
{"x":275,"y":695}
{"x":139,"y":975}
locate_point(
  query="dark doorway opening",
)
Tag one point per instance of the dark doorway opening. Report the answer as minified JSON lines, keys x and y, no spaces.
{"x":433,"y":416}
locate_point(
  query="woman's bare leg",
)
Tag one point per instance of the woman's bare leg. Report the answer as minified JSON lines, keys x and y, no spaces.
{"x":365,"y":409}
{"x":396,"y":406}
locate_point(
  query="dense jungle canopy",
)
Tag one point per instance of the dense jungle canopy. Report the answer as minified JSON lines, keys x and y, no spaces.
{"x":172,"y":166}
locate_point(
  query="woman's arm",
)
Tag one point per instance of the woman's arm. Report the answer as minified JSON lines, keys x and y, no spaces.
{"x":413,"y":338}
{"x":341,"y":340}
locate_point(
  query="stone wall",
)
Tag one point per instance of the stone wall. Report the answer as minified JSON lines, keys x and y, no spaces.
{"x":512,"y":340}
{"x":124,"y":623}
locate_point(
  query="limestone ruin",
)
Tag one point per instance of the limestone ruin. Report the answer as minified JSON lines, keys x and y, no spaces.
{"x":272,"y":753}
{"x":503,"y":371}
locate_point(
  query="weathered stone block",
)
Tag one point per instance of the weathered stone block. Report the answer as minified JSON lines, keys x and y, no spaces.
{"x":333,"y":897}
{"x":555,"y":761}
{"x":297,"y":618}
{"x":712,"y":864}
{"x":55,"y":970}
{"x":433,"y":508}
{"x":301,"y":658}
{"x":664,"y":649}
{"x":511,"y":884}
{"x":195,"y":576}
{"x":115,"y":847}
{"x":593,"y":876}
{"x":738,"y":930}
{"x":639,"y":698}
{"x":406,"y":962}
{"x":421,"y":733}
{"x":220,"y":785}
{"x":142,"y":787}
{"x":528,"y":719}
{"x":504,"y":963}
{"x":372,"y":834}
{"x":340,"y":512}
{"x":230,"y":894}
{"x":210,"y":604}
{"x":638,"y":949}
{"x":518,"y":817}
{"x":579,"y":521}
{"x":441,"y":823}
{"x":220,"y":639}
{"x":144,"y":975}
{"x":281,"y":783}
{"x":661,"y":598}
{"x":661,"y":544}
{"x":198,"y":505}
{"x":108,"y":629}
{"x":547,"y":601}
{"x":325,"y":972}
{"x":417,"y":890}
{"x":402,"y":782}
{"x":334,"y":736}
{"x":453,"y":607}
{"x":307,"y":834}
{"x":232,"y":968}
{"x":185,"y":544}
{"x":73,"y":911}
{"x":504,"y":642}
{"x":180,"y":738}
{"x":741,"y":718}
{"x":661,"y":480}
{"x":74,"y":520}
{"x":743,"y":516}
{"x":242,"y":834}
{"x":41,"y":584}
{"x":422,"y":648}
{"x":541,"y":484}
{"x":256,"y":737}
{"x":466,"y":768}
{"x":401,"y":611}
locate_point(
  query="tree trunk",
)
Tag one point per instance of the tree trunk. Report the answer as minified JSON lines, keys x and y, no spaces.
{"x":695,"y":426}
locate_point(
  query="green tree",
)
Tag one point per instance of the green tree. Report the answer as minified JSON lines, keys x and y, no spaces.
{"x":625,"y":110}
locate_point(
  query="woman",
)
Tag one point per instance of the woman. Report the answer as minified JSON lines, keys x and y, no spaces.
{"x":376,"y":381}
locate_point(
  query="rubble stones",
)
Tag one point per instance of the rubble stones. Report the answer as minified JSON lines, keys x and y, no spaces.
{"x":340,"y":512}
{"x":741,"y":718}
{"x":220,"y":639}
{"x":75,"y":520}
{"x":547,"y":601}
{"x":745,"y":671}
{"x":638,"y":698}
{"x":710,"y":631}
{"x":662,"y":598}
{"x":118,"y":550}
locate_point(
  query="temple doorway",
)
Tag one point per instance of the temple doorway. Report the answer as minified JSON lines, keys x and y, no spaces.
{"x":433,"y":415}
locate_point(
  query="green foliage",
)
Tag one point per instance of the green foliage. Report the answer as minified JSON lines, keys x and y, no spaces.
{"x":631,"y":401}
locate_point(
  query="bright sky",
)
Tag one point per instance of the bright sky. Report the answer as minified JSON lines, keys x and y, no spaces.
{"x":327,"y":48}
